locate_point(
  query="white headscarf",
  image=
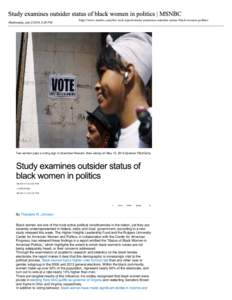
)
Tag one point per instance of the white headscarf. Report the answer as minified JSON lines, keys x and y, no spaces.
{"x":135,"y":48}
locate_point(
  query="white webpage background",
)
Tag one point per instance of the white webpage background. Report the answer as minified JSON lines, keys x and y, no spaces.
{"x":189,"y":175}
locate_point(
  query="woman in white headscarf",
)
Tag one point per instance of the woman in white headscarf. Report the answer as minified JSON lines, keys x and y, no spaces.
{"x":124,"y":68}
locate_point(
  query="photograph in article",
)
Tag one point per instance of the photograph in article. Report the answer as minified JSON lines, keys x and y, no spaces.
{"x":83,"y":90}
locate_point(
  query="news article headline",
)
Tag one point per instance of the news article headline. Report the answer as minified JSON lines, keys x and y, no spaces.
{"x":70,"y":171}
{"x":96,"y":13}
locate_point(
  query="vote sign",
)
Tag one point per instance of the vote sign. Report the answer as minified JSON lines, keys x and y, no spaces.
{"x":62,"y":86}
